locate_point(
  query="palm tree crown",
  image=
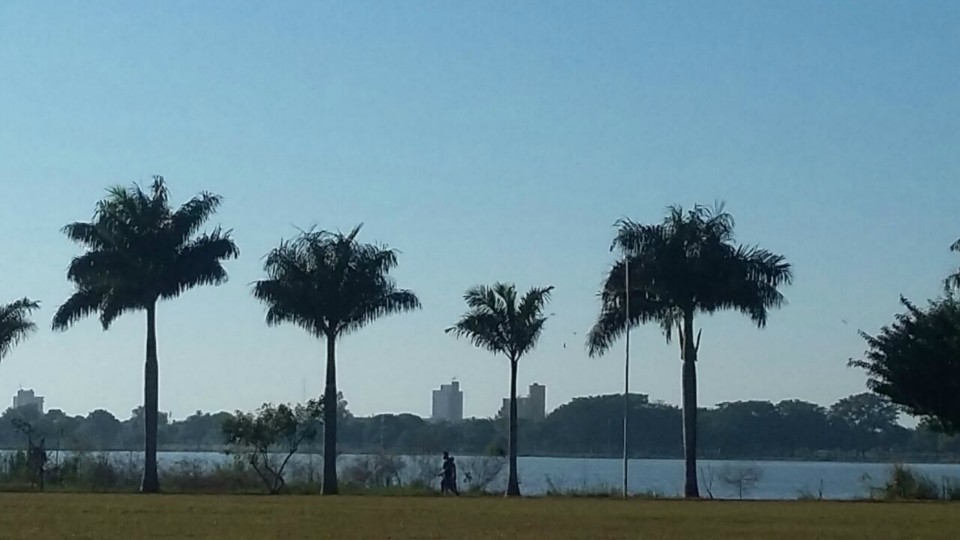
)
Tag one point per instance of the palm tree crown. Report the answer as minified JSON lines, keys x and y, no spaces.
{"x":15,"y":323}
{"x":686,"y":264}
{"x":139,"y":251}
{"x":499,"y":323}
{"x":331,"y":285}
{"x":502,"y":323}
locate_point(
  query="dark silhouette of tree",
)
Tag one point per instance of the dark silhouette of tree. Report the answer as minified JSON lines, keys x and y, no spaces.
{"x":915,"y":362}
{"x":870,"y":420}
{"x":503,"y":324}
{"x":686,"y":265}
{"x":15,"y":323}
{"x":268,"y":438}
{"x":101,"y":428}
{"x":331,"y":285}
{"x":954,"y":279}
{"x":138,"y":252}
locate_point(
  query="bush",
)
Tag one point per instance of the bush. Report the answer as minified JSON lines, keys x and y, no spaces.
{"x":193,"y":477}
{"x":904,"y":483}
{"x":374,"y":471}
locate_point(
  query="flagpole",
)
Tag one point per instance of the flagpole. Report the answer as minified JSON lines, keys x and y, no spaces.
{"x":626,"y":372}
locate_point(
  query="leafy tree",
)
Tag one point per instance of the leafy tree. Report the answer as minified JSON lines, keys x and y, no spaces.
{"x":588,"y":425}
{"x":272,"y":430}
{"x":743,"y":428}
{"x":504,"y":324}
{"x":138,"y":252}
{"x":803,"y":425}
{"x":870,"y":419}
{"x":101,"y":428}
{"x":684,"y":266}
{"x":331,"y":285}
{"x":15,"y":323}
{"x":915,"y":362}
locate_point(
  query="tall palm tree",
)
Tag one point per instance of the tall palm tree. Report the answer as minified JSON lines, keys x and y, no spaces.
{"x":331,"y":285}
{"x":15,"y":323}
{"x":954,"y":279}
{"x":684,"y":266}
{"x":139,"y":251}
{"x":503,"y":324}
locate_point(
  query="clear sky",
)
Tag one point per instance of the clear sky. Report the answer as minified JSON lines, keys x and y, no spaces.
{"x":487,"y":141}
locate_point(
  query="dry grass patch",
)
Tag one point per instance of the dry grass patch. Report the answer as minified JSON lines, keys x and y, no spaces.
{"x":108,"y":517}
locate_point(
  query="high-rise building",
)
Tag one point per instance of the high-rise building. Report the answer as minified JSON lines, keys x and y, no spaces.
{"x":448,"y":403}
{"x":536,"y":406}
{"x":27,"y":398}
{"x":530,"y":407}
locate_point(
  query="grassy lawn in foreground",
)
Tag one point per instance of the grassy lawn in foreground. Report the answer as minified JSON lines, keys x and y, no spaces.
{"x":107,"y":517}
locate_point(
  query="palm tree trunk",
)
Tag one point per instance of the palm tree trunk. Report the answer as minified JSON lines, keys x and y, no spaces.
{"x":330,"y":486}
{"x":151,"y":384}
{"x":690,"y":487}
{"x":513,"y":483}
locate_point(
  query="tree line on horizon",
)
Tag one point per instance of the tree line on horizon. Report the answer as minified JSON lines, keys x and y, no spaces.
{"x":139,"y":251}
{"x":858,"y":427}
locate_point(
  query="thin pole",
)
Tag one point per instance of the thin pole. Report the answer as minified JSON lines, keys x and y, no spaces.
{"x":626,"y":372}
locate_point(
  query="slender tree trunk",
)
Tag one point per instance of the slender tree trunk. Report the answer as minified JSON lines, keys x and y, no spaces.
{"x":689,"y":359}
{"x":513,"y":483}
{"x":330,"y":486}
{"x":151,"y":390}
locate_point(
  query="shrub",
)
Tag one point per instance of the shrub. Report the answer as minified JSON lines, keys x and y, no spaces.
{"x":904,"y":483}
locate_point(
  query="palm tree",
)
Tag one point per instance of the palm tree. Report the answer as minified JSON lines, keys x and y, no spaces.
{"x":502,"y":324}
{"x":331,"y":285}
{"x":954,"y":279}
{"x":15,"y":323}
{"x":684,"y":266}
{"x":139,"y":251}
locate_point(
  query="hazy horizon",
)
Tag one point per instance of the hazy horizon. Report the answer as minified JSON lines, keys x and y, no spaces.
{"x":486,"y":142}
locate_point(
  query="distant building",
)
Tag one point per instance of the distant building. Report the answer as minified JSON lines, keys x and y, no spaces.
{"x":530,"y":407}
{"x":27,"y":398}
{"x":448,"y":403}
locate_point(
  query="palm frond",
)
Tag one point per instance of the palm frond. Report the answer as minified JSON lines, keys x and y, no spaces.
{"x":86,"y":300}
{"x":87,"y":234}
{"x":748,"y":280}
{"x":390,"y":301}
{"x":116,"y":302}
{"x":192,"y":215}
{"x":199,"y":263}
{"x":953,"y":280}
{"x":15,"y":323}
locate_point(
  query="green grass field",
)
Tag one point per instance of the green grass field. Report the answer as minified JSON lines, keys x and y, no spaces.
{"x":107,"y":517}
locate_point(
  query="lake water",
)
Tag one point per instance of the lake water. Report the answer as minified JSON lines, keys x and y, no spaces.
{"x":777,"y":479}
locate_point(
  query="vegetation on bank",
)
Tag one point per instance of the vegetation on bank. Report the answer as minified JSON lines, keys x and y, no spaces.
{"x":368,"y":474}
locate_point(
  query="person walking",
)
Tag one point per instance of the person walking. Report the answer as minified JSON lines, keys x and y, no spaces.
{"x":448,"y":476}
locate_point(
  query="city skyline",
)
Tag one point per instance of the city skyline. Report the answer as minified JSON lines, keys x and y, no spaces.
{"x":484,"y":144}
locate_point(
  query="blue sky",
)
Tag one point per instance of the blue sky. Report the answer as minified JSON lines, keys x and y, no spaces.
{"x":486,"y":141}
